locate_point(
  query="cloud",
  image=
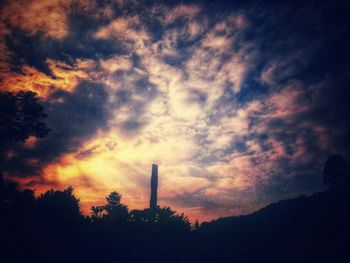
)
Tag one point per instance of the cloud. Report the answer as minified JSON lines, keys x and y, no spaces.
{"x":189,"y":11}
{"x":47,"y":17}
{"x":118,"y":63}
{"x":63,"y":77}
{"x":231,"y":103}
{"x":127,"y":30}
{"x":73,"y":118}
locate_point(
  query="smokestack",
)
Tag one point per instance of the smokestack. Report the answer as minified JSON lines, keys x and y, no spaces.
{"x":154,"y":186}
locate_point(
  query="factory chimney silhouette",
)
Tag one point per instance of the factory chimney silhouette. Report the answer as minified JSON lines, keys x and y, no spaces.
{"x":154,"y":186}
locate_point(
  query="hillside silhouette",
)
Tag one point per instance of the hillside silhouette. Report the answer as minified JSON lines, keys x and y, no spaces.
{"x":312,"y":228}
{"x":305,"y":229}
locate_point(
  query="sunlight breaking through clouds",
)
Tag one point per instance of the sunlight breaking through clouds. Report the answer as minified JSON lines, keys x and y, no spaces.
{"x":176,"y":85}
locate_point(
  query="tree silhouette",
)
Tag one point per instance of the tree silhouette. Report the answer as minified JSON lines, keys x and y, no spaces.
{"x":96,"y":211}
{"x":196,"y":225}
{"x":336,"y":172}
{"x":170,"y":221}
{"x":161,"y":219}
{"x":59,"y":204}
{"x":115,"y":210}
{"x":10,"y":196}
{"x":21,"y":116}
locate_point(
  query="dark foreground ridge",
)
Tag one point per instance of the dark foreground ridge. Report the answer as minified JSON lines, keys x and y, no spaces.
{"x":51,"y":228}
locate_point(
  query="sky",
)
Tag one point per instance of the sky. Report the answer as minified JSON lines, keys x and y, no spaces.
{"x":239,"y":102}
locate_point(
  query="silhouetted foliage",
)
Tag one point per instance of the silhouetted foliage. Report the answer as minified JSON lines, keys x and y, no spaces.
{"x":115,"y":210}
{"x":59,"y":204}
{"x":161,"y":220}
{"x":96,"y":212}
{"x":51,"y":228}
{"x":10,"y":197}
{"x":336,"y":172}
{"x":21,"y":116}
{"x":196,"y":225}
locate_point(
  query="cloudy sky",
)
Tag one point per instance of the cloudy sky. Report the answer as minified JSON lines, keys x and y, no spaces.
{"x":239,"y":104}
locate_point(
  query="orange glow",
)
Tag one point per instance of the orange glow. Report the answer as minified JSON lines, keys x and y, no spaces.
{"x":47,"y":16}
{"x":188,"y":122}
{"x":65,"y":77}
{"x":30,"y":142}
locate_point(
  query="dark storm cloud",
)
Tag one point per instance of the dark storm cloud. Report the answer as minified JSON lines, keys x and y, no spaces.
{"x":35,"y":50}
{"x":135,"y":94}
{"x":331,"y":108}
{"x":78,"y":42}
{"x":301,"y":41}
{"x":307,"y":43}
{"x":73,"y":119}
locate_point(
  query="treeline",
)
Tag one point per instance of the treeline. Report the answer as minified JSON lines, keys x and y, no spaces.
{"x":51,"y":228}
